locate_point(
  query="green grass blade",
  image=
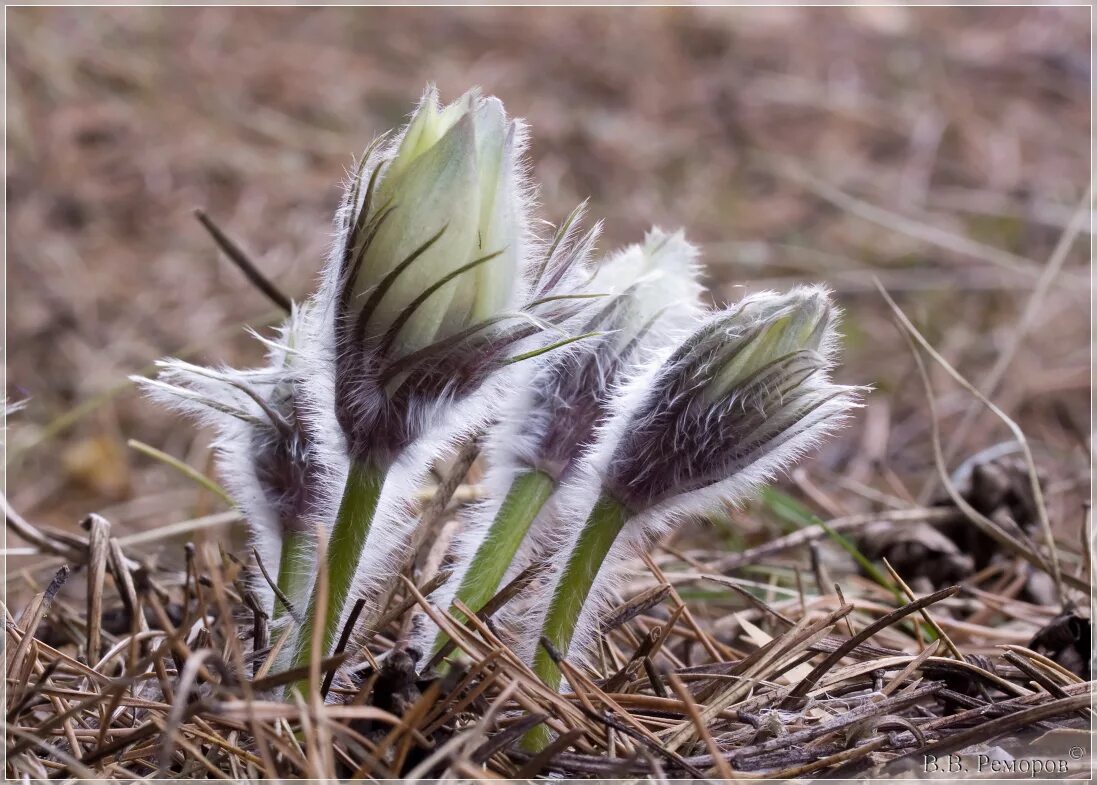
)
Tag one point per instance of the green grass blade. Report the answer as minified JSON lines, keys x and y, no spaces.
{"x":790,"y":511}
{"x":187,"y":471}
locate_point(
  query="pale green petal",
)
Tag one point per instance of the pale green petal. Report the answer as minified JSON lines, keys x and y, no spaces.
{"x":439,"y":189}
{"x":790,"y":325}
{"x":499,"y":216}
{"x":455,"y":166}
{"x":491,"y":140}
{"x":428,"y":125}
{"x":449,"y":116}
{"x":419,"y":135}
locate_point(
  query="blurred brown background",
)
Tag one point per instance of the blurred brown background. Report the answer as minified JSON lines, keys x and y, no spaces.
{"x":943,"y":150}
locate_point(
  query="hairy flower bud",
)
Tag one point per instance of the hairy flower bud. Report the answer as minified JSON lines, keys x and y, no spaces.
{"x":641,"y":297}
{"x":428,"y":275}
{"x":433,"y":290}
{"x":739,"y":399}
{"x":272,"y":445}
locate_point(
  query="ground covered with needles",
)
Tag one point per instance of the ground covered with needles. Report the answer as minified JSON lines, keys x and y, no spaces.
{"x":712,"y":665}
{"x":897,"y":597}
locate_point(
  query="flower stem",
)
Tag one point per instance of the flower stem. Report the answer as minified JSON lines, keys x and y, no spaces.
{"x":348,"y":538}
{"x":292,"y":569}
{"x":527,"y":495}
{"x":599,"y":533}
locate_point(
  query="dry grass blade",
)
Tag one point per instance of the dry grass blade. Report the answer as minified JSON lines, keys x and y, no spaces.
{"x":923,"y":612}
{"x":993,"y":378}
{"x":27,"y":626}
{"x":721,"y":765}
{"x":959,"y":244}
{"x":42,"y":540}
{"x":1052,"y":566}
{"x":802,"y":688}
{"x":641,"y":603}
{"x":915,"y":664}
{"x":501,"y":598}
{"x":98,"y":554}
{"x":237,"y":256}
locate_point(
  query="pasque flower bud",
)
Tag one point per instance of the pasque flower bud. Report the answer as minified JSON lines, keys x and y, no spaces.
{"x":273,"y":445}
{"x":743,"y":396}
{"x":427,"y":270}
{"x":651,"y":293}
{"x":642,"y":297}
{"x":739,"y":400}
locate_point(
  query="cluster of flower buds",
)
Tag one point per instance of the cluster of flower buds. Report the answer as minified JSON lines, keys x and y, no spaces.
{"x":617,"y":404}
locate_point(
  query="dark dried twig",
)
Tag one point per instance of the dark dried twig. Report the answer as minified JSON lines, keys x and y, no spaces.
{"x":237,"y":256}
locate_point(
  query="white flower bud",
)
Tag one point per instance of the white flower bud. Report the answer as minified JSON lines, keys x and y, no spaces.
{"x":453,"y":173}
{"x":428,"y":285}
{"x":741,"y":398}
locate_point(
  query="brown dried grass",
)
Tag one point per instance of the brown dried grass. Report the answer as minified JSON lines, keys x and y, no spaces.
{"x":823,"y":680}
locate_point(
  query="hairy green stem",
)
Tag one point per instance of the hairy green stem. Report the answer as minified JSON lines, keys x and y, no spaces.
{"x":348,"y":538}
{"x":292,"y":569}
{"x":527,"y":495}
{"x":599,"y":533}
